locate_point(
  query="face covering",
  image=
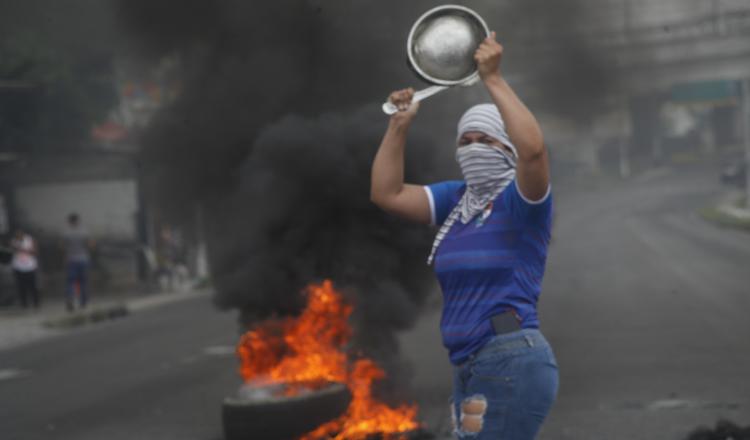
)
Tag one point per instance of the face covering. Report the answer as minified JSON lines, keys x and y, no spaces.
{"x":487,"y":170}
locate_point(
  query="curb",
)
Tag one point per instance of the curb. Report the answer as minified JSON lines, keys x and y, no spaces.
{"x":92,"y":316}
{"x":119,"y":310}
{"x":23,"y":329}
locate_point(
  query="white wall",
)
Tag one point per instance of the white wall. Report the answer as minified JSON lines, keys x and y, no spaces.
{"x":107,"y":208}
{"x":607,"y":16}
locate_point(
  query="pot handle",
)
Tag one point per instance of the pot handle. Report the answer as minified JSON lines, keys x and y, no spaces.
{"x":389,"y":108}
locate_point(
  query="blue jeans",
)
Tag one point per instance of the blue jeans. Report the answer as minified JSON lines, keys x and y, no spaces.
{"x":76,"y":275}
{"x":505,"y":390}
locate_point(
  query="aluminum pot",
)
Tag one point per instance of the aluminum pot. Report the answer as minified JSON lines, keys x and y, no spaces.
{"x":440,"y":49}
{"x":442,"y":43}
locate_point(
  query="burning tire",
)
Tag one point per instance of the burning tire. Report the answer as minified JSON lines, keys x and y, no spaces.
{"x":260,"y":413}
{"x":284,"y":362}
{"x":724,"y":430}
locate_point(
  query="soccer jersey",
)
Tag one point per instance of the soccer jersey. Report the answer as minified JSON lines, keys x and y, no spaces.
{"x":493,"y":264}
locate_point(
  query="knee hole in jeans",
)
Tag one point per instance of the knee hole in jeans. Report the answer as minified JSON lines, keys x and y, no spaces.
{"x":473,"y":410}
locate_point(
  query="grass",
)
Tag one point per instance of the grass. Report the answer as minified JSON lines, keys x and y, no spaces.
{"x":715,"y":215}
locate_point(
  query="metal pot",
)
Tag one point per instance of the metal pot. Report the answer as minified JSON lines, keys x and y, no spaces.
{"x":442,"y":43}
{"x":441,"y":47}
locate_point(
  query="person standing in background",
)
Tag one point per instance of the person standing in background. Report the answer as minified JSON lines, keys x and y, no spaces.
{"x":24,"y":266}
{"x":172,"y":270}
{"x":78,"y":245}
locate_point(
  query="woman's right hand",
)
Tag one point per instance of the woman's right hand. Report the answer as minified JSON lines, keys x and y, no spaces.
{"x":407,"y":108}
{"x":387,"y":188}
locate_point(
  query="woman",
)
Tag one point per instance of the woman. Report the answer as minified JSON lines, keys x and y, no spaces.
{"x":489,"y":254}
{"x":24,"y":265}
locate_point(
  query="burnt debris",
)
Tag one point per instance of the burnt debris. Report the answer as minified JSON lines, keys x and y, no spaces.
{"x":724,"y":430}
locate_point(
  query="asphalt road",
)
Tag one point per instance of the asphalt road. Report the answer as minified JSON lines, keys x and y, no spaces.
{"x":646,"y":305}
{"x":158,"y":374}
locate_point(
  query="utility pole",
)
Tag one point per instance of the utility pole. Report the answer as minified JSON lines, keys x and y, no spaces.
{"x":625,"y":138}
{"x":746,"y":135}
{"x":627,"y":19}
{"x":718,"y":12}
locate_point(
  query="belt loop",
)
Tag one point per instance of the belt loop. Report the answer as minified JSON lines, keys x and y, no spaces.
{"x":529,"y":340}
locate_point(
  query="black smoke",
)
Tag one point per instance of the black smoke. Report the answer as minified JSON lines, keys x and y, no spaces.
{"x":285,"y":191}
{"x":306,"y":215}
{"x":241,"y":66}
{"x":553,"y":48}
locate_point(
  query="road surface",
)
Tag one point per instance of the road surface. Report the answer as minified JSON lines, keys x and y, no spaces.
{"x":647,"y":307}
{"x":158,"y":374}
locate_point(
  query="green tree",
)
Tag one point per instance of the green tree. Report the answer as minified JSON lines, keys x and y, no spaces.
{"x":50,"y":98}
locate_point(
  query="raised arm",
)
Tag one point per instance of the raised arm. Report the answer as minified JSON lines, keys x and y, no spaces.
{"x":387,"y":188}
{"x":532,"y":172}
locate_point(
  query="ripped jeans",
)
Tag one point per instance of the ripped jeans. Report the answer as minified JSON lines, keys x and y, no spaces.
{"x":505,"y":390}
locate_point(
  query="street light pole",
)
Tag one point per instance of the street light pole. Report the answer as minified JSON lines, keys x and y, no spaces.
{"x":746,"y":135}
{"x":624,"y":146}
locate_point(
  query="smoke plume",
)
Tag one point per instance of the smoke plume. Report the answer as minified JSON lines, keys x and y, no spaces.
{"x":306,"y":215}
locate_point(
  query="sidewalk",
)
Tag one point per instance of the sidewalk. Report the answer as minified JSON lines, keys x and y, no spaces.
{"x":19,"y":327}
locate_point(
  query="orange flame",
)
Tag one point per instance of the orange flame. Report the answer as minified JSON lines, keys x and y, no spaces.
{"x":308,"y":351}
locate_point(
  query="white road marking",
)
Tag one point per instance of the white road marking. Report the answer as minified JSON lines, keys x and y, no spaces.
{"x":219,"y":350}
{"x":672,"y":404}
{"x":12,"y":373}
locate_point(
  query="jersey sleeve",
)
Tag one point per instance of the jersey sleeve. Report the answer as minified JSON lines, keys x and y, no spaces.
{"x":442,"y":198}
{"x":527,"y":211}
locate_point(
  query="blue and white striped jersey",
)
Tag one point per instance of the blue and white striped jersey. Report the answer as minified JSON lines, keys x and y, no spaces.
{"x":490,"y":265}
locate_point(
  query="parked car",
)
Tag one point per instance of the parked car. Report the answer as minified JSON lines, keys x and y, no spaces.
{"x":735,"y":174}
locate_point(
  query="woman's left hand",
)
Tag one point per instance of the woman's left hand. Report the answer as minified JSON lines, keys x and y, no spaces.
{"x":488,"y":56}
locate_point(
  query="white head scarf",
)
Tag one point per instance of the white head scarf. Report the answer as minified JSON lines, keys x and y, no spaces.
{"x":485,"y":118}
{"x":487,"y":170}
